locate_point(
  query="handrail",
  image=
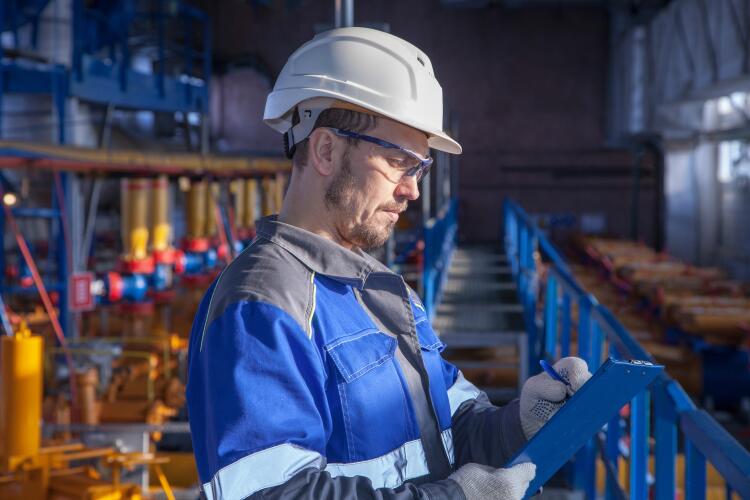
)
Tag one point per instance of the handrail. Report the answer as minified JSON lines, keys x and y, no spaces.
{"x":439,"y":243}
{"x":673,"y":409}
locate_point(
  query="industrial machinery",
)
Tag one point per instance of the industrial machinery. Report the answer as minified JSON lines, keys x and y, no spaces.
{"x":109,"y":382}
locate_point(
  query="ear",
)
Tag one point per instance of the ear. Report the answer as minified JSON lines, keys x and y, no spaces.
{"x":321,"y":151}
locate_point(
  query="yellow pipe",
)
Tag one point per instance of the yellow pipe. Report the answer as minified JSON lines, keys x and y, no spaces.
{"x":124,"y":215}
{"x":197,"y":210}
{"x":238,"y":190}
{"x":212,"y":194}
{"x":280,"y":184}
{"x":20,"y":396}
{"x":138,"y":191}
{"x":268,"y":196}
{"x":251,"y":202}
{"x":162,"y":230}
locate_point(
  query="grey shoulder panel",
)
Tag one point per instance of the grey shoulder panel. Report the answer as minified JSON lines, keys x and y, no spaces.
{"x":265,"y":272}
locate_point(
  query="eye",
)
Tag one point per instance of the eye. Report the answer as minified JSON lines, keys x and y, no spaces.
{"x":402,"y":163}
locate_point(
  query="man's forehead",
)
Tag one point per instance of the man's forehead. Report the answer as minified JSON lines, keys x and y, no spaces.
{"x":402,"y":135}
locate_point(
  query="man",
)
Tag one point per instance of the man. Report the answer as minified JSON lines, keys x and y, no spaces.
{"x":313,"y":370}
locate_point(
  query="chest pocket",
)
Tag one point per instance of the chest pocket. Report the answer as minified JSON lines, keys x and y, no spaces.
{"x":371,"y":392}
{"x":357,"y":354}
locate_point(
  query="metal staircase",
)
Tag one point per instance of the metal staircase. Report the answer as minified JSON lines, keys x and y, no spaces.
{"x":481,"y":320}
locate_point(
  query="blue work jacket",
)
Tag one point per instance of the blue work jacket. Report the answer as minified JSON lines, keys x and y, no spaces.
{"x":314,"y":373}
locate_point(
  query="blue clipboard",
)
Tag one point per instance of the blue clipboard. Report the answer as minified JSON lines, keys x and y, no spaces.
{"x":613,"y":385}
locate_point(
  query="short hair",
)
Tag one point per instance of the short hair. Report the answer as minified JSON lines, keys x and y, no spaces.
{"x":346,"y":119}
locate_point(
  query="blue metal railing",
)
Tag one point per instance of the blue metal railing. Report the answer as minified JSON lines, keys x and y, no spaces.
{"x":673,"y":412}
{"x":439,"y":243}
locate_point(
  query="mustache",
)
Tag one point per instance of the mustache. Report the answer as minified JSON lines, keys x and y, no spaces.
{"x":394,"y":207}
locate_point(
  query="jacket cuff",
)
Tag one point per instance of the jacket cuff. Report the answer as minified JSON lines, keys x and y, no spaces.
{"x":516,"y":438}
{"x":445,"y":489}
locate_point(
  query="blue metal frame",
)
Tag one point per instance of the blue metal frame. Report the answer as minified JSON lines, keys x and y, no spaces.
{"x":439,"y":244}
{"x":706,"y":439}
{"x":112,"y":81}
{"x":109,"y":81}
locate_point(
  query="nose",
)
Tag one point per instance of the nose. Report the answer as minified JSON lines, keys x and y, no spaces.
{"x":408,"y":188}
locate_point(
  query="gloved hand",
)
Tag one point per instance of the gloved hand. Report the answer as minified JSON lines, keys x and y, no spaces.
{"x":481,"y":482}
{"x":542,"y":396}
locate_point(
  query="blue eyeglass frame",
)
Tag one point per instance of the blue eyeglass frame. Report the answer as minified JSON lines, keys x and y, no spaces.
{"x":420,"y":170}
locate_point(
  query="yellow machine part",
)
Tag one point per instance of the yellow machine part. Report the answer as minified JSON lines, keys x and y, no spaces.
{"x":269,"y":196}
{"x":180,"y":471}
{"x":160,"y":226}
{"x":238,"y":190}
{"x":212,"y":194}
{"x":280,"y":187}
{"x":251,"y":202}
{"x":135,"y":204}
{"x":196,"y":207}
{"x":20,"y":397}
{"x":124,"y":215}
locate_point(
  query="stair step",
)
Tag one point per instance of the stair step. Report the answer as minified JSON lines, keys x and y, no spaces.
{"x":488,"y":273}
{"x":453,"y":307}
{"x":464,"y":285}
{"x":482,"y":365}
{"x":467,"y":339}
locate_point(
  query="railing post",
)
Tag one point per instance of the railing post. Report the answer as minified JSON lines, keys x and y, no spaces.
{"x":565,"y":330}
{"x":585,"y":468}
{"x":531,"y":289}
{"x":595,"y":357}
{"x":695,"y":473}
{"x":613,"y":446}
{"x":639,"y":417}
{"x":584,"y":328}
{"x":665,"y":429}
{"x":550,"y":318}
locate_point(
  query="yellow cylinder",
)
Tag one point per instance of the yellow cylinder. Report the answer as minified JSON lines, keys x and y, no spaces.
{"x":124,"y":214}
{"x":238,"y":190}
{"x":251,"y":202}
{"x":138,"y":191}
{"x":212,"y":194}
{"x":268,"y":196}
{"x":197,"y":209}
{"x":280,"y":184}
{"x":20,"y":396}
{"x":160,"y":226}
{"x":86,"y":383}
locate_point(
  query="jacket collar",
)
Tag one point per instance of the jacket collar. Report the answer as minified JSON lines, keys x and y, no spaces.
{"x":321,"y":255}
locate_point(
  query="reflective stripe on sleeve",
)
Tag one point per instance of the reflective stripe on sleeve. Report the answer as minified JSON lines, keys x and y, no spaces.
{"x":389,"y":470}
{"x":263,"y":469}
{"x":447,"y":436}
{"x":276,"y":465}
{"x":462,"y":390}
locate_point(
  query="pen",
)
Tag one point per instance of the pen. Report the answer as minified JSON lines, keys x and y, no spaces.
{"x":552,"y":372}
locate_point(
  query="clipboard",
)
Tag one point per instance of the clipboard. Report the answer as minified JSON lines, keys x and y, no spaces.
{"x":613,"y":385}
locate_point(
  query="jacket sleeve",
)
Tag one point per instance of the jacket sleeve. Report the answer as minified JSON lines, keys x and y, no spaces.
{"x":314,"y":484}
{"x":482,"y":432}
{"x":259,"y":415}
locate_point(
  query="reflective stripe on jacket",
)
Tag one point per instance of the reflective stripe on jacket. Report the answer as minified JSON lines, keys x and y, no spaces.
{"x":314,"y":373}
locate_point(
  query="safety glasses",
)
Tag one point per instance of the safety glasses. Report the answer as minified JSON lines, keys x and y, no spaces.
{"x":407,"y":162}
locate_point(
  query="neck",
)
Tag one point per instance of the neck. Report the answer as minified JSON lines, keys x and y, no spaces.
{"x":303,"y":209}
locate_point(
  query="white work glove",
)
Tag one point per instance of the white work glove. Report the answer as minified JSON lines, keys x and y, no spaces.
{"x":481,"y":482}
{"x":542,"y":396}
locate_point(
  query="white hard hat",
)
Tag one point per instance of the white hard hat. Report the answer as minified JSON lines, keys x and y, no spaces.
{"x":365,"y":68}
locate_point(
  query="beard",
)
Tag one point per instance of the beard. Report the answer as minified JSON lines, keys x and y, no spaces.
{"x":340,"y":198}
